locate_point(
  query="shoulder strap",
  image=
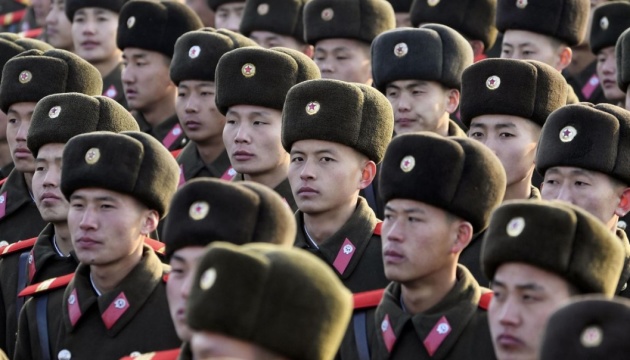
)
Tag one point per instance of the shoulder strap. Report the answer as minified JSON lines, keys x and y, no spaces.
{"x":176,"y":153}
{"x":377,"y":228}
{"x":47,"y":285}
{"x":368,"y":299}
{"x":157,"y":246}
{"x":484,"y":300}
{"x":15,"y":247}
{"x":41,"y":311}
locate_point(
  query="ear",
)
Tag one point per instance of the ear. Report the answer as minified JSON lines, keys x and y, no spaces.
{"x":623,"y":207}
{"x":564,"y":57}
{"x":150,"y":222}
{"x":464,"y":234}
{"x":478,"y":47}
{"x":308,"y":50}
{"x":367,"y":174}
{"x":452,"y":100}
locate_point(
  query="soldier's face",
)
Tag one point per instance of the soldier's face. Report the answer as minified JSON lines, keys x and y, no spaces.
{"x":228,"y":16}
{"x":107,"y":227}
{"x":94,"y":35}
{"x":419,"y":106}
{"x":183,"y":264}
{"x":146,"y":80}
{"x":419,"y":241}
{"x":58,"y":27}
{"x":198,"y":113}
{"x":403,"y":20}
{"x":513,"y":139}
{"x":527,"y":45}
{"x":607,"y":73}
{"x":252,"y":140}
{"x":207,"y":345}
{"x":18,"y":123}
{"x":51,"y":203}
{"x":344,"y":59}
{"x":524,"y":299}
{"x":593,"y":191}
{"x":327,"y":176}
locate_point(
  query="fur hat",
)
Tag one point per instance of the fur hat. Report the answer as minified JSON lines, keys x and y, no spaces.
{"x":282,"y":17}
{"x":622,"y":52}
{"x":609,"y":20}
{"x":72,"y":6}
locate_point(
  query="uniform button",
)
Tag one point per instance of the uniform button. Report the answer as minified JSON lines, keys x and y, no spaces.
{"x":4,"y":243}
{"x":135,"y":354}
{"x":64,"y":355}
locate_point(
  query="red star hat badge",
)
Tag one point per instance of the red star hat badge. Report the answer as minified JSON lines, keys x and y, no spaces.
{"x":263,"y":9}
{"x":92,"y":156}
{"x":401,"y":49}
{"x":131,"y":22}
{"x":312,"y":107}
{"x":198,"y":210}
{"x":194,"y":52}
{"x":567,"y":134}
{"x":592,"y":336}
{"x":603,"y":23}
{"x":515,"y":227}
{"x":521,"y":4}
{"x":493,"y":82}
{"x":328,"y":14}
{"x":407,"y":163}
{"x":54,"y":112}
{"x":248,"y":70}
{"x":25,"y":77}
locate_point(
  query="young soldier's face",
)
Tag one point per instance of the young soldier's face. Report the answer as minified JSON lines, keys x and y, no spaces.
{"x":344,"y":59}
{"x":403,"y":20}
{"x":417,"y":241}
{"x":94,"y":34}
{"x":107,"y":227}
{"x":198,"y":113}
{"x":18,"y":123}
{"x":524,"y":299}
{"x":269,"y":39}
{"x":228,"y":16}
{"x":419,"y":106}
{"x":593,"y":191}
{"x":527,"y":45}
{"x":326,"y":176}
{"x":513,"y":139}
{"x":607,"y":73}
{"x":51,"y":203}
{"x":58,"y":27}
{"x":207,"y":345}
{"x":146,"y":79}
{"x":183,"y":264}
{"x":252,"y":139}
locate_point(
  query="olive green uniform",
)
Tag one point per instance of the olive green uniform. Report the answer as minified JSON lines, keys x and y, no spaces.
{"x":192,"y":166}
{"x":134,"y":317}
{"x":20,"y":218}
{"x":283,"y":189}
{"x":7,"y":7}
{"x":168,"y":132}
{"x":112,"y":86}
{"x":354,"y":251}
{"x":622,"y":288}
{"x":455,"y":130}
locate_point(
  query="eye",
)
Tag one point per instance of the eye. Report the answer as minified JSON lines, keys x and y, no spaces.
{"x":476,"y":135}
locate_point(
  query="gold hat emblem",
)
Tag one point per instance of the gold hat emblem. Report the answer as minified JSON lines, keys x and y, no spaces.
{"x":401,"y":49}
{"x":515,"y":227}
{"x":493,"y":82}
{"x":592,"y":336}
{"x":603,"y":23}
{"x":408,"y":163}
{"x":54,"y":111}
{"x":328,"y":14}
{"x":248,"y":70}
{"x":25,"y":76}
{"x":131,"y":22}
{"x":263,"y":9}
{"x":567,"y":133}
{"x":198,"y":210}
{"x":64,"y":355}
{"x":194,"y":52}
{"x":92,"y":156}
{"x":521,"y":4}
{"x":207,"y":279}
{"x":433,"y":2}
{"x":312,"y":108}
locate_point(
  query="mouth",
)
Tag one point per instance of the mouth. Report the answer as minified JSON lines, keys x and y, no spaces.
{"x":508,"y":341}
{"x":89,"y":44}
{"x":241,"y":155}
{"x":404,"y":122}
{"x":192,"y":124}
{"x":49,"y":196}
{"x":130,"y":93}
{"x":306,"y":191}
{"x":86,"y":242}
{"x":392,"y":256}
{"x":22,"y":153}
{"x":607,"y":83}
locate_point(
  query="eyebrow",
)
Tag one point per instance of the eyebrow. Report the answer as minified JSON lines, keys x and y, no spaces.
{"x":498,"y":126}
{"x":406,"y":211}
{"x":526,"y":286}
{"x":574,"y":172}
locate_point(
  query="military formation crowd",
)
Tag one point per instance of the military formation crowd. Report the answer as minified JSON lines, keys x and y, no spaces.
{"x":314,"y":179}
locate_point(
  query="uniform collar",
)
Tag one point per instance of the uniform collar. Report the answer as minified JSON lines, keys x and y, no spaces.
{"x":193,"y":166}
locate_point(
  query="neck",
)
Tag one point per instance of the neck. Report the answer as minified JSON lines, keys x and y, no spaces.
{"x":321,"y":226}
{"x":160,"y":110}
{"x":271,"y":178}
{"x":107,"y":277}
{"x":5,"y":154}
{"x":520,"y":190}
{"x":108,"y":65}
{"x":442,"y":128}
{"x":62,"y":237}
{"x":211,"y":149}
{"x":612,"y":223}
{"x":421,"y":295}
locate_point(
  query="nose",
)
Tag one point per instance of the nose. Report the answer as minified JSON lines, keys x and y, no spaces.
{"x":325,"y":65}
{"x":307,"y":172}
{"x":127,"y":76}
{"x":564,"y":194}
{"x":88,"y":220}
{"x":242,"y":135}
{"x":192,"y":105}
{"x":393,"y":230}
{"x":23,"y":130}
{"x":52,"y":177}
{"x":186,"y":285}
{"x":233,"y":23}
{"x":609,"y":66}
{"x":508,"y":313}
{"x":403,"y":104}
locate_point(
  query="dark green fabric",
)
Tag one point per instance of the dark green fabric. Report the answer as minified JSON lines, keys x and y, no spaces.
{"x":72,"y":6}
{"x":282,"y":17}
{"x":622,"y":52}
{"x":10,"y":47}
{"x":609,"y":20}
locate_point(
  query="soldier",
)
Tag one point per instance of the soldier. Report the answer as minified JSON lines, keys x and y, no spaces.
{"x":118,"y":290}
{"x":56,"y":119}
{"x":401,"y":12}
{"x":59,"y":27}
{"x":609,"y":21}
{"x":582,"y":154}
{"x":11,"y":14}
{"x":147,"y":58}
{"x":622,"y":53}
{"x":273,"y":23}
{"x":420,"y":72}
{"x":251,"y":95}
{"x":473,"y":19}
{"x":537,"y":30}
{"x":227,"y":13}
{"x":202,"y":9}
{"x":430,"y":206}
{"x":538,"y":255}
{"x":342,"y":52}
{"x":193,"y":72}
{"x":336,"y":133}
{"x":268,"y":303}
{"x":94,"y":26}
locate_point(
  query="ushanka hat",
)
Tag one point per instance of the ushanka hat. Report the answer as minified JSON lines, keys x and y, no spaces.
{"x":155,"y":25}
{"x":207,"y":210}
{"x":284,"y":17}
{"x":32,"y":75}
{"x":214,"y":4}
{"x":132,"y":163}
{"x":622,"y":52}
{"x":197,"y":53}
{"x":587,"y":136}
{"x":557,"y":237}
{"x":285,"y":300}
{"x":401,"y":6}
{"x":458,"y":175}
{"x":609,"y":20}
{"x":525,"y":88}
{"x":565,"y":20}
{"x":432,"y":53}
{"x":360,"y":20}
{"x":351,"y":114}
{"x":472,"y":18}
{"x":251,"y":76}
{"x":12,"y":45}
{"x":72,"y":6}
{"x":59,"y":117}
